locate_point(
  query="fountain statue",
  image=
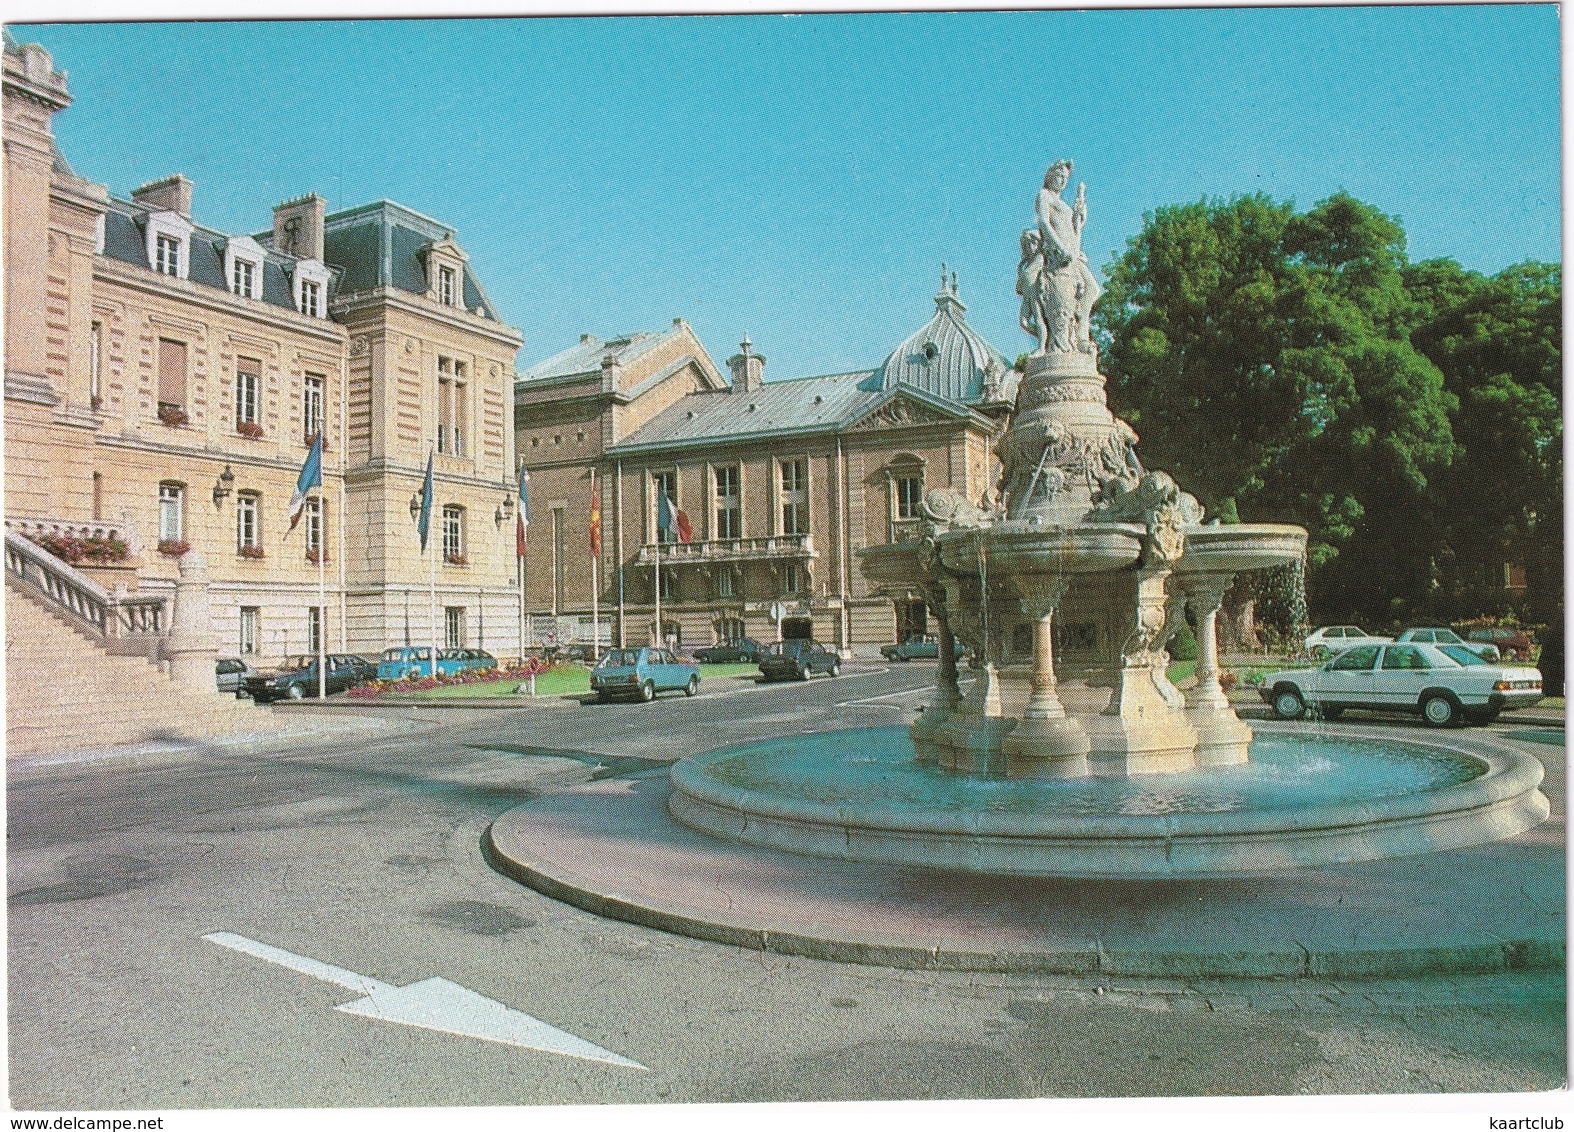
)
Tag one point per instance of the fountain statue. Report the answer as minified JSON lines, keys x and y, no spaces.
{"x":1072,"y":753}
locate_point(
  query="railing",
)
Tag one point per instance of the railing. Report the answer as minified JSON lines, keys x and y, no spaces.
{"x":31,"y":527}
{"x":137,"y":619}
{"x":727,"y":550}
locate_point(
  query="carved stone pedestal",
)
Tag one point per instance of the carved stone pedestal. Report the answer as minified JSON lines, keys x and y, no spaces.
{"x":191,"y":647}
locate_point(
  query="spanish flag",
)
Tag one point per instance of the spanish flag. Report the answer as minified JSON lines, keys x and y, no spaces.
{"x":595,"y":517}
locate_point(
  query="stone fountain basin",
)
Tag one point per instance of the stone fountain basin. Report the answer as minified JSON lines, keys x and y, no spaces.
{"x":869,"y":822}
{"x":1240,"y":546}
{"x":1019,"y":547}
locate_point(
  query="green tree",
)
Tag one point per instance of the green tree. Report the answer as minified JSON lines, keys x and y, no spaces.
{"x":1264,"y":356}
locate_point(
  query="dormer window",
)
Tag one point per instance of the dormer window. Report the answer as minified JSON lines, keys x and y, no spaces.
{"x":445,"y":266}
{"x":243,"y":259}
{"x":311,"y":288}
{"x":169,"y":243}
{"x":447,"y":285}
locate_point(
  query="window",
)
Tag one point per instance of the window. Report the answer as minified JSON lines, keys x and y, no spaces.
{"x":669,"y":585}
{"x":171,"y":511}
{"x":726,"y":584}
{"x":311,"y":298}
{"x":792,"y":578}
{"x":454,"y":626}
{"x":729,"y":512}
{"x":171,"y":374}
{"x":1404,"y":657}
{"x":248,"y":383}
{"x":250,"y":618}
{"x":452,"y":391}
{"x":447,"y":286}
{"x":729,"y":629}
{"x":95,"y":364}
{"x":243,"y":278}
{"x":166,"y":254}
{"x":454,"y":534}
{"x":311,"y":406}
{"x":909,"y":497}
{"x":314,"y":529}
{"x":314,"y":643}
{"x":795,"y":497}
{"x":311,"y":287}
{"x":248,"y":522}
{"x":664,"y":484}
{"x":1356,"y":660}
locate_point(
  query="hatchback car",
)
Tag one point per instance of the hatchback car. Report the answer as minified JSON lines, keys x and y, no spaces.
{"x":1484,"y":649}
{"x":1514,"y":644}
{"x":297,"y":678}
{"x":924,"y":647}
{"x":396,"y":664}
{"x":1444,"y":684}
{"x":798,"y":660}
{"x":739,"y":650}
{"x":1333,"y":639}
{"x":230,"y":673}
{"x":641,"y":673}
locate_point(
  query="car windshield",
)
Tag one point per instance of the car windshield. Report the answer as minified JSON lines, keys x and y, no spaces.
{"x":1460,"y":655}
{"x":297,"y":663}
{"x":619,"y":658}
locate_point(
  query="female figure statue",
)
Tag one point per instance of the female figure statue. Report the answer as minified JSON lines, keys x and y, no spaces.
{"x":1067,"y":286}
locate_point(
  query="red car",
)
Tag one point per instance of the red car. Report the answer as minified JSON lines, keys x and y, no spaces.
{"x":1514,"y":644}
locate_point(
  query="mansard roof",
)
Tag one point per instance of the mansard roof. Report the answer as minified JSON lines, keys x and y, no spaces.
{"x":584,"y":358}
{"x":384,"y":244}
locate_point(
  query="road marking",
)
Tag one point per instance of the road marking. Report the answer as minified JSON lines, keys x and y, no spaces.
{"x":431,"y":1004}
{"x":893,"y":695}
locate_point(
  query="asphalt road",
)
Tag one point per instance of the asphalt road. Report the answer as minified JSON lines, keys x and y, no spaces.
{"x":366,"y":856}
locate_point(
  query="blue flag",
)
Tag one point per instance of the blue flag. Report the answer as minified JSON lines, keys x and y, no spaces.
{"x":424,"y":526}
{"x":310,"y":478}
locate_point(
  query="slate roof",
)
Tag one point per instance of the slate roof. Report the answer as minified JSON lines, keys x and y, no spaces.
{"x":805,"y":404}
{"x":381,"y":244}
{"x":126,"y":240}
{"x":584,"y":357}
{"x":947,"y":357}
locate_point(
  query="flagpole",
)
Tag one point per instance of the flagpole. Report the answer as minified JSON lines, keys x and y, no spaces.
{"x":595,"y":574}
{"x":322,"y":598}
{"x":658,"y":640}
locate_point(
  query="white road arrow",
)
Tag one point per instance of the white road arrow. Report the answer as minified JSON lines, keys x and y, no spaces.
{"x":431,"y":1004}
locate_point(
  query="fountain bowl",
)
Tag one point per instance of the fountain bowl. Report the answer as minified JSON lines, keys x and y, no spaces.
{"x":1305,"y":800}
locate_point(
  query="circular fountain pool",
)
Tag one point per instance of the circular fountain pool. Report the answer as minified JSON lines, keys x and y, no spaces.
{"x":1305,"y":799}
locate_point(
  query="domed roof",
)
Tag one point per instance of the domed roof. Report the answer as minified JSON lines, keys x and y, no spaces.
{"x":947,"y":357}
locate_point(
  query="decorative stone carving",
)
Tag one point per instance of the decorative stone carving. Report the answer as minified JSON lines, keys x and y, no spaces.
{"x":896,"y":413}
{"x":947,"y":509}
{"x":1057,"y":286}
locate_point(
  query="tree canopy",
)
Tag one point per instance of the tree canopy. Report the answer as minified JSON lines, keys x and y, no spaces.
{"x":1295,"y":366}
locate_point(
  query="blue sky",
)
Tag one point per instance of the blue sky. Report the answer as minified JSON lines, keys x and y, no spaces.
{"x":802,"y":178}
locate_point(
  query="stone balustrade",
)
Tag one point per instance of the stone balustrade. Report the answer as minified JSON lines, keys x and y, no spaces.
{"x":727,"y":550}
{"x":123,"y":623}
{"x":35,"y":527}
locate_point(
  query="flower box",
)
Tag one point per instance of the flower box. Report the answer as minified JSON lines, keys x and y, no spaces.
{"x":173,"y":416}
{"x":456,"y":560}
{"x":98,"y":549}
{"x":315,"y":557}
{"x":173,"y":547}
{"x":251,"y":430}
{"x":251,"y":552}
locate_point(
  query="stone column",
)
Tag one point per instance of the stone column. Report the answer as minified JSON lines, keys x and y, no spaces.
{"x":191,"y":648}
{"x":969,"y":741}
{"x":948,"y":693}
{"x":1046,"y":743}
{"x":1222,"y":738}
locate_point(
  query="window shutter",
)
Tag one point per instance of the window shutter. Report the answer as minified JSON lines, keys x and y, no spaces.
{"x":171,"y":372}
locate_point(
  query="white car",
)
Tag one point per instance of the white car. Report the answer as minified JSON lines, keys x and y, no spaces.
{"x":1444,"y":684}
{"x":1333,"y":639}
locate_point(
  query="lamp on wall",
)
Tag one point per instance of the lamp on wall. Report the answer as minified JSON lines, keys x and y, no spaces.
{"x":505,"y":511}
{"x":221,"y":488}
{"x":415,"y":508}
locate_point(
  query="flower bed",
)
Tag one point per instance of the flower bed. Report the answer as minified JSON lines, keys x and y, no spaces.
{"x":531,"y":667}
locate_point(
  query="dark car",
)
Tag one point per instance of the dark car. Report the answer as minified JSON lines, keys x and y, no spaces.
{"x":297,"y":678}
{"x":739,"y":650}
{"x":924,"y":647}
{"x":798,"y":660}
{"x":1514,"y":644}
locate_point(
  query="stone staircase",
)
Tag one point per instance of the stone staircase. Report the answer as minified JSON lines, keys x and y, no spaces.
{"x":65,"y":693}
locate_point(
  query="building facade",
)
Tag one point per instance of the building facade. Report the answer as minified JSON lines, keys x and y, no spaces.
{"x":775,"y":486}
{"x":164,"y":383}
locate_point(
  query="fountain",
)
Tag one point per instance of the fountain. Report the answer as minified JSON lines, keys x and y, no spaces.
{"x":1072,"y":753}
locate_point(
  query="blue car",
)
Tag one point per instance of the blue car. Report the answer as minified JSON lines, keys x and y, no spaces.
{"x":641,"y":673}
{"x":453,"y":661}
{"x":396,"y":664}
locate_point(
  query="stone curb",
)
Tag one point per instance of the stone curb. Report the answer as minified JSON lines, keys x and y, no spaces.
{"x":1292,"y":962}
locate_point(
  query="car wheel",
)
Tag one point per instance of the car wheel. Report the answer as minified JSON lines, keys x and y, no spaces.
{"x":297,"y":692}
{"x":1287,"y":704}
{"x":692,"y":688}
{"x":803,"y":672}
{"x":835,"y":669}
{"x":1440,"y":710}
{"x":647,"y":692}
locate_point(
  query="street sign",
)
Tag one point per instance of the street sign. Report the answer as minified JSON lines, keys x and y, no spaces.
{"x":431,"y":1004}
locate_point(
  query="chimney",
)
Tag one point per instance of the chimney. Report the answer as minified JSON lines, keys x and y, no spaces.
{"x":297,"y":226}
{"x":172,"y":193}
{"x":748,"y":368}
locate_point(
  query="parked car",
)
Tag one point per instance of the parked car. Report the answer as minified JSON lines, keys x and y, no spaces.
{"x":924,"y":647}
{"x":739,"y":650}
{"x":451,"y":662}
{"x":1483,"y":649}
{"x":798,"y":660}
{"x":297,"y":678}
{"x":1514,"y":644}
{"x":1444,"y":684}
{"x":396,"y":664}
{"x":641,"y":673}
{"x":230,"y":673}
{"x":1331,"y":639}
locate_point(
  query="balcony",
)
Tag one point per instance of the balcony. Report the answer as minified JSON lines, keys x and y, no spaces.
{"x":727,"y":550}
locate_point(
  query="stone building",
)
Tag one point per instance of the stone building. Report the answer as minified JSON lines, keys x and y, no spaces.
{"x":781,"y":483}
{"x":164,"y":381}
